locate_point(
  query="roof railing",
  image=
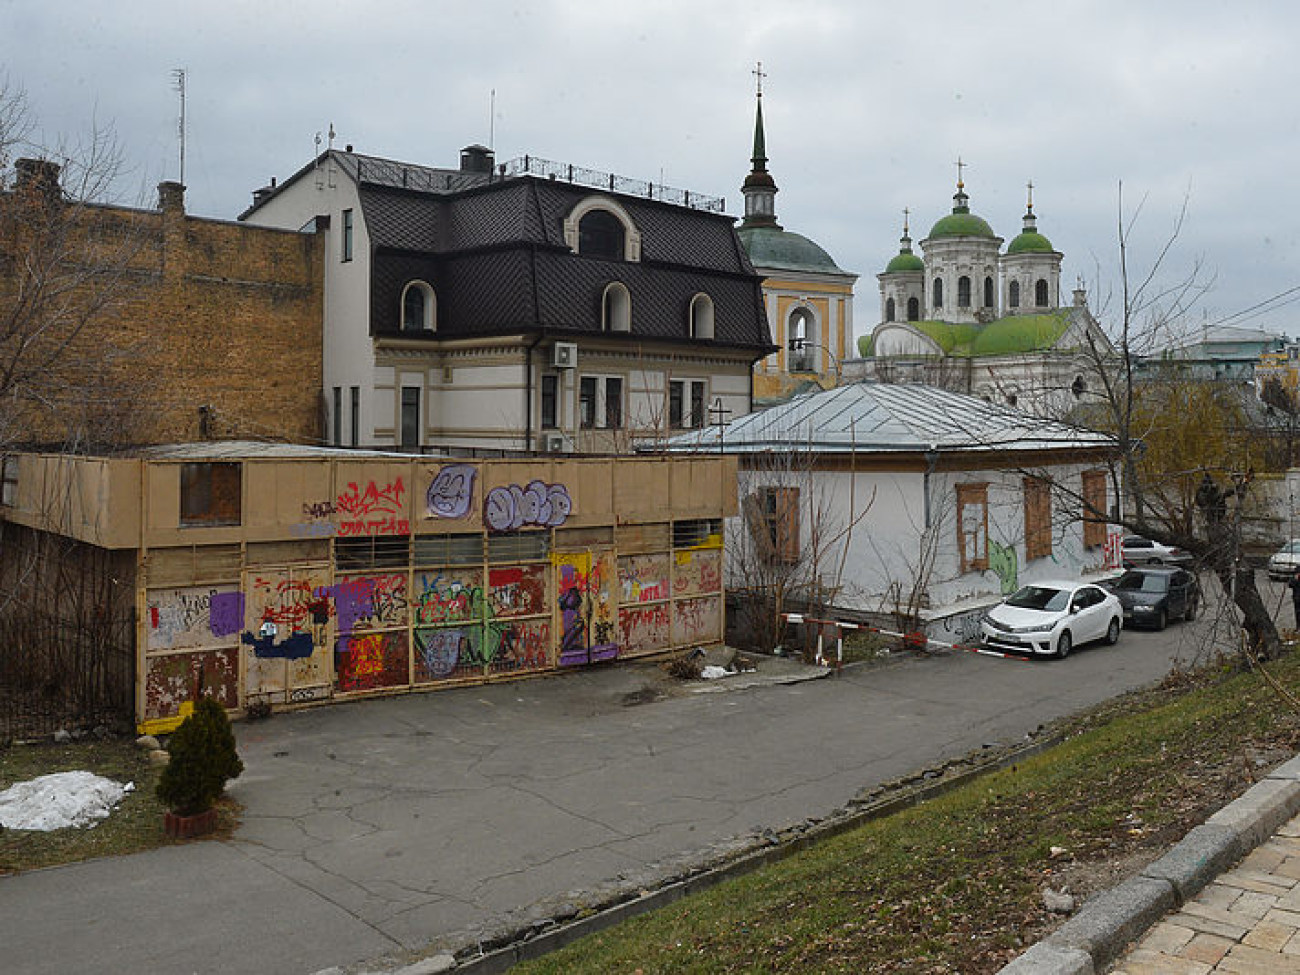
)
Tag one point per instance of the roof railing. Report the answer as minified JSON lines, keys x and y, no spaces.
{"x":594,"y":178}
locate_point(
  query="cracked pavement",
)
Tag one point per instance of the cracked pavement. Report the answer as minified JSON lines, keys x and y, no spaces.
{"x":393,"y":826}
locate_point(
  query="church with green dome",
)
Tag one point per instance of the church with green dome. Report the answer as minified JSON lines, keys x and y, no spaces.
{"x":969,"y":315}
{"x":807,"y":296}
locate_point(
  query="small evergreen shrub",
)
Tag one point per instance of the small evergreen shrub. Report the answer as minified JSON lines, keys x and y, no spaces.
{"x":203,"y":758}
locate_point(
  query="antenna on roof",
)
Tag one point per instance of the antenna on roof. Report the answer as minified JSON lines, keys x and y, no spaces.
{"x":492,"y":120}
{"x":178,"y":80}
{"x":331,"y":142}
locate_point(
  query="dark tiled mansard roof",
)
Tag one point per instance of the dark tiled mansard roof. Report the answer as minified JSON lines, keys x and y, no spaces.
{"x":496,"y":257}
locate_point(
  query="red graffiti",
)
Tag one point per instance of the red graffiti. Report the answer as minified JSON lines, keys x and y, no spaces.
{"x":372,"y":499}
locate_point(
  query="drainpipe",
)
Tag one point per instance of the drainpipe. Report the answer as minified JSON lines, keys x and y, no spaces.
{"x":931,"y":461}
{"x":528,"y":391}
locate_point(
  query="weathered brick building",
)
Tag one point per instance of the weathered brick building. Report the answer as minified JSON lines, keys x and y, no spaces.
{"x":137,"y":326}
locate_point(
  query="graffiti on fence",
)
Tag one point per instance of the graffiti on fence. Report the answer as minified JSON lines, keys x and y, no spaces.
{"x":645,"y":628}
{"x":363,"y":661}
{"x":372,"y":510}
{"x":517,"y":590}
{"x":451,"y":492}
{"x":697,"y":571}
{"x":699,"y":620}
{"x":643,"y":578}
{"x":447,"y":597}
{"x":511,"y":507}
{"x":962,"y":628}
{"x":193,"y":617}
{"x":369,"y":602}
{"x":585,"y":597}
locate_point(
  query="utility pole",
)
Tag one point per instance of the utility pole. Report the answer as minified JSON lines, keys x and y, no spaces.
{"x":178,"y":78}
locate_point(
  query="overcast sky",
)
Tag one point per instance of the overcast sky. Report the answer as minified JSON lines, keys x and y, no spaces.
{"x":868,"y":106}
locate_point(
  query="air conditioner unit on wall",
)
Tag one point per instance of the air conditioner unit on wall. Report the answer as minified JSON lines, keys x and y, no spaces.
{"x":555,"y":443}
{"x":564,"y":355}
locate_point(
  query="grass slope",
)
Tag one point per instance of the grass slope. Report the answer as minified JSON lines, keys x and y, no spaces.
{"x":955,"y":885}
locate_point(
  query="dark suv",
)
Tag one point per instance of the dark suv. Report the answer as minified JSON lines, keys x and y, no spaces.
{"x":1153,"y":595}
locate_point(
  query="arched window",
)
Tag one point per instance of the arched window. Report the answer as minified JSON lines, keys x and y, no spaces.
{"x":701,"y":317}
{"x":1040,"y":293}
{"x":418,"y":308}
{"x":801,"y":328}
{"x":913,"y":310}
{"x":616,"y":309}
{"x":889,"y":309}
{"x":963,"y":292}
{"x":937,"y":302}
{"x":1013,"y":294}
{"x":600,"y":234}
{"x":988,"y":292}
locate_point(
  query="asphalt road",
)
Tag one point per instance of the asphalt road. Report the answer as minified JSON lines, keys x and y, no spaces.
{"x":387,"y":825}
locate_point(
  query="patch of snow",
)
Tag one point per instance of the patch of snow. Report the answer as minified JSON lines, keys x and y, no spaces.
{"x":60,"y":800}
{"x":712,"y":672}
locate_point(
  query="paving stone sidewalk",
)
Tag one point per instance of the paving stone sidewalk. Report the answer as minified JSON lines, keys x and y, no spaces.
{"x":1246,"y":921}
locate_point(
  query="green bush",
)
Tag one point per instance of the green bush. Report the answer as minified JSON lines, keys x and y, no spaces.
{"x":203,"y":758}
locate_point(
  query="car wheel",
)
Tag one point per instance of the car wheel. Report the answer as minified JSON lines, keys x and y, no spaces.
{"x":1112,"y":632}
{"x":1063,"y":643}
{"x":1191,"y":611}
{"x":1162,"y":620}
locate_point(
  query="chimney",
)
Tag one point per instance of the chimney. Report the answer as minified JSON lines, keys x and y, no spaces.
{"x":262,"y":194}
{"x":171,"y":196}
{"x":39,"y":174}
{"x":476,"y":159}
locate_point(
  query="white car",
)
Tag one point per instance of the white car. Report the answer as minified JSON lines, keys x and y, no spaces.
{"x":1144,"y":551}
{"x":1285,"y":561}
{"x":1051,"y":618}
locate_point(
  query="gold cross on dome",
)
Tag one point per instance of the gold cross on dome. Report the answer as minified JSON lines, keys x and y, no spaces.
{"x":960,"y":166}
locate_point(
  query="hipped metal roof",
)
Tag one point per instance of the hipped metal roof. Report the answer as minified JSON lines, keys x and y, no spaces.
{"x":870,"y":417}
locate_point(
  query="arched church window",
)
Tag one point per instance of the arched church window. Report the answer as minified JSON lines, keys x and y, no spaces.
{"x":913,"y":310}
{"x":963,"y":292}
{"x":937,"y":302}
{"x":1013,"y":294}
{"x":988,"y":292}
{"x":600,"y":234}
{"x":889,"y":309}
{"x":800,"y":329}
{"x":1040,"y":293}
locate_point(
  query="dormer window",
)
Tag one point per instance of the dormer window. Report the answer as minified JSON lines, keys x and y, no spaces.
{"x":616,"y":309}
{"x":600,"y":235}
{"x":701,"y":317}
{"x":418,"y":308}
{"x":599,"y":227}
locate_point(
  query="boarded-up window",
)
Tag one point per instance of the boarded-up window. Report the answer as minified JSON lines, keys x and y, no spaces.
{"x":973,"y":526}
{"x":210,"y":494}
{"x":774,"y":523}
{"x":1094,"y":508}
{"x":1038,"y":518}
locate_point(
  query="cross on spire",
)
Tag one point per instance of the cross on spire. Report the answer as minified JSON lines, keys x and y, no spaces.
{"x":1030,"y":185}
{"x":906,"y":214}
{"x":759,"y":74}
{"x":960,"y":166}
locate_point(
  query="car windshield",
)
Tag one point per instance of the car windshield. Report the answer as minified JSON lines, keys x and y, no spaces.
{"x":1290,"y":548}
{"x":1142,"y":582}
{"x":1040,"y":597}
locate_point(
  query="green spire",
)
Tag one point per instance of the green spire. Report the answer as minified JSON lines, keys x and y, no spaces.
{"x":759,"y":159}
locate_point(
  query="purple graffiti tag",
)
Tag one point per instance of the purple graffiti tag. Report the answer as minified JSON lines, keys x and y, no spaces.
{"x":510,"y":507}
{"x":354,"y":600}
{"x":451,"y":491}
{"x":226,"y":613}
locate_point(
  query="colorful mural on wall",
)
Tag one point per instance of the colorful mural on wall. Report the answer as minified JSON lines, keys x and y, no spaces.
{"x":372,"y":509}
{"x":366,"y":661}
{"x":587,"y":599}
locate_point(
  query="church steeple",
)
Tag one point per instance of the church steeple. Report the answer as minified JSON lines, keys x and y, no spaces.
{"x":759,"y":189}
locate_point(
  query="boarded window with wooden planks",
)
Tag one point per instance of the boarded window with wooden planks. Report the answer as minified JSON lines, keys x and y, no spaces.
{"x":774,"y":523}
{"x":210,"y":494}
{"x":1038,"y":518}
{"x":973,"y":526}
{"x":1094,"y":509}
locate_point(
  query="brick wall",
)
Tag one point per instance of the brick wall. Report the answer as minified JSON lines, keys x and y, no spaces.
{"x":172,"y":328}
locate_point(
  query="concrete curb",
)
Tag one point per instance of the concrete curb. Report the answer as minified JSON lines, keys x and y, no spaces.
{"x":1110,"y":921}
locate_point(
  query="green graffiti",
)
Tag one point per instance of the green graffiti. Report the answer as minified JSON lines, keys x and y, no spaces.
{"x":1004,"y":564}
